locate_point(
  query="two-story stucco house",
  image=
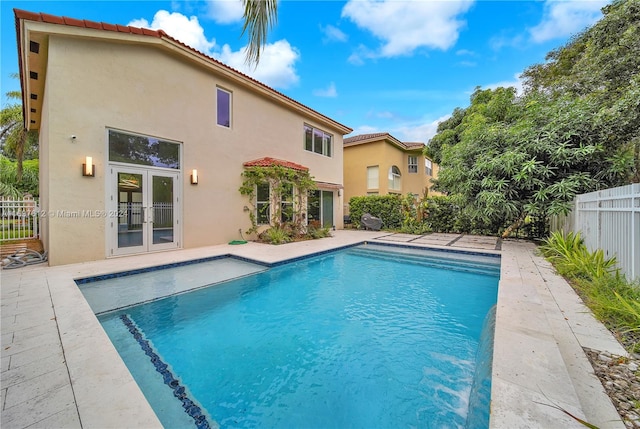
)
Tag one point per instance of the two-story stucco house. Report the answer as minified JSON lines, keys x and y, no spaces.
{"x":143,"y":139}
{"x":380,"y":164}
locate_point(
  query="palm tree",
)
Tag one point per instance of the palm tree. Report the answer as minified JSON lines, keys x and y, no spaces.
{"x":14,"y":139}
{"x":259,"y":17}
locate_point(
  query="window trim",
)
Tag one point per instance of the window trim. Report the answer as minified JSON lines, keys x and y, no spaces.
{"x":412,"y":167}
{"x":263,"y":203}
{"x":325,"y":141}
{"x":370,"y":168}
{"x":230,"y":107}
{"x":392,"y":176}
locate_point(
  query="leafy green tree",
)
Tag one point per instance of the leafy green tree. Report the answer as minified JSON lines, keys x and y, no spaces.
{"x":575,"y":129}
{"x":10,"y":187}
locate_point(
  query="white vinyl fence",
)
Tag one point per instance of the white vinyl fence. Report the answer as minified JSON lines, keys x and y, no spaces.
{"x":609,"y":220}
{"x":18,"y":219}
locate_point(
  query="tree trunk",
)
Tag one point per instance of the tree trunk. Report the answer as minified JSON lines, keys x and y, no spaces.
{"x":515,"y":225}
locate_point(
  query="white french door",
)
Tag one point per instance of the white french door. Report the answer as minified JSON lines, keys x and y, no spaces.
{"x":145,"y":204}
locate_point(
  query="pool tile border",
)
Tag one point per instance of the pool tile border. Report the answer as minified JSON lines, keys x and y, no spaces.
{"x":190,"y":407}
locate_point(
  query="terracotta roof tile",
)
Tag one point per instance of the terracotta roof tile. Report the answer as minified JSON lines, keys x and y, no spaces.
{"x":51,"y":19}
{"x":270,"y":162}
{"x":73,"y":22}
{"x":363,"y":137}
{"x":42,"y":17}
{"x":386,"y":136}
{"x":413,"y":145}
{"x":92,"y":24}
{"x":109,"y":27}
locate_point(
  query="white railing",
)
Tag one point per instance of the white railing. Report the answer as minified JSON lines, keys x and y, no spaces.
{"x":19,"y":219}
{"x":609,"y":220}
{"x":133,"y":214}
{"x":163,"y":214}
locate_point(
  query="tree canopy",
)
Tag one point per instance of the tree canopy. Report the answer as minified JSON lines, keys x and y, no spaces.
{"x":575,"y":129}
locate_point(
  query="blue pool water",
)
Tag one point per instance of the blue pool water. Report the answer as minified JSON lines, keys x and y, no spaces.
{"x":366,"y":337}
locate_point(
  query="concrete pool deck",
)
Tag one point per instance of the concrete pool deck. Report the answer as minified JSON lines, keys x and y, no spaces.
{"x":60,"y":370}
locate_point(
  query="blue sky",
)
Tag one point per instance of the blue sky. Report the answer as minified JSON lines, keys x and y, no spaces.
{"x":397,"y":66}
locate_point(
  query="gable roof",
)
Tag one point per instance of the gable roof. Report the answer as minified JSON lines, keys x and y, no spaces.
{"x":376,"y":137}
{"x":271,"y":162}
{"x":91,"y":29}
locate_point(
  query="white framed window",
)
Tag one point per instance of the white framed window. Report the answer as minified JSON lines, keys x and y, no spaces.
{"x":318,"y":141}
{"x":373,"y":177}
{"x":412,"y":164}
{"x":428,"y":167}
{"x":223,"y":111}
{"x":263,"y":204}
{"x":395,"y":177}
{"x":286,"y":203}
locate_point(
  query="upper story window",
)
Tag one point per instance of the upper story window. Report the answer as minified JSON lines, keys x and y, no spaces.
{"x":143,"y":150}
{"x":428,"y":167}
{"x":317,"y":141}
{"x":394,"y":179}
{"x":223,"y":108}
{"x":413,"y":164}
{"x":372,"y":177}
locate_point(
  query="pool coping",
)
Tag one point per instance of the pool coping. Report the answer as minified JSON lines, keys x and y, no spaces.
{"x":538,"y":358}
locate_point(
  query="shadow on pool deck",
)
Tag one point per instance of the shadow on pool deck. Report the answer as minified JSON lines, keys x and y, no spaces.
{"x":59,"y":368}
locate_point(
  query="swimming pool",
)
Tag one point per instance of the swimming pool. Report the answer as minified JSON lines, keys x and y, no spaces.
{"x":370,"y":336}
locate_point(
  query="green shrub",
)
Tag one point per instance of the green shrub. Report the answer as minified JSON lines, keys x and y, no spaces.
{"x":386,"y":207}
{"x":315,"y":232}
{"x":276,"y":235}
{"x":573,"y":259}
{"x":441,"y":214}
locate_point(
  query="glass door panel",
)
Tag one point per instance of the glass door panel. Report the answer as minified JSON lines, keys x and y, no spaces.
{"x":163,"y":210}
{"x":327,"y":209}
{"x":130,"y":209}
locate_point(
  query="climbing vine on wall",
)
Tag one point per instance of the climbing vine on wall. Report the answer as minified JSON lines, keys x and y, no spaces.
{"x":280,"y":180}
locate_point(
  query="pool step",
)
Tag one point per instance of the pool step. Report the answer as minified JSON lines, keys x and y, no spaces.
{"x":448,"y":261}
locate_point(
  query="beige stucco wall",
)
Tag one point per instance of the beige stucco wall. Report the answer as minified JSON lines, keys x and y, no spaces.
{"x":383,"y":154}
{"x":96,"y":85}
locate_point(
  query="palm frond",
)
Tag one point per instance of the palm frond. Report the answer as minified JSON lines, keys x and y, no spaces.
{"x":259,"y":16}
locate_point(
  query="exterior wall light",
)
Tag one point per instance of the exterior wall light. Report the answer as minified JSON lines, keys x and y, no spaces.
{"x":194,"y":177}
{"x":88,"y":169}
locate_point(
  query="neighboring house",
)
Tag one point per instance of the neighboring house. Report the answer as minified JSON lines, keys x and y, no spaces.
{"x":143,"y":140}
{"x":380,"y":164}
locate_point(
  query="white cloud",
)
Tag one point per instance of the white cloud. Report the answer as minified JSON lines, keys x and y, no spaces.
{"x":404,"y":26}
{"x":276,"y":67}
{"x":330,"y":91}
{"x":333,"y":34}
{"x":566,"y":17}
{"x":419,"y":131}
{"x":225,"y":11}
{"x":516,"y":83}
{"x":277,"y":60}
{"x":466,"y":52}
{"x":187,"y":30}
